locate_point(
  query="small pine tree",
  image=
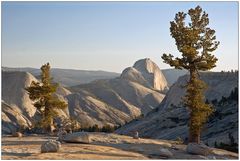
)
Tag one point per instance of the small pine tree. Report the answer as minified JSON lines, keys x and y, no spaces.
{"x":195,"y":41}
{"x":234,"y":94}
{"x":95,"y":128}
{"x":42,"y":95}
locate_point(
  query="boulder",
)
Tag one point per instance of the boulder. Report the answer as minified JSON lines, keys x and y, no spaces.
{"x":212,"y":157}
{"x":77,"y":137}
{"x":198,"y":149}
{"x":135,"y":136}
{"x":17,"y":134}
{"x":165,"y":153}
{"x":50,"y":146}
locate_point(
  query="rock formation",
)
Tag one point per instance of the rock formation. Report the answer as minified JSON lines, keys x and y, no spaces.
{"x":77,"y":137}
{"x":12,"y":119}
{"x":101,"y":102}
{"x":134,"y":93}
{"x":147,"y":73}
{"x":14,"y":94}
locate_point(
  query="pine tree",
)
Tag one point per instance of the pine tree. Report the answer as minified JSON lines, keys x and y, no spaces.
{"x":42,"y":93}
{"x":195,"y":41}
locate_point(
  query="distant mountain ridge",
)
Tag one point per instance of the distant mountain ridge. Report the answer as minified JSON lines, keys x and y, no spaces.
{"x":69,"y":77}
{"x":172,"y":75}
{"x":72,"y":77}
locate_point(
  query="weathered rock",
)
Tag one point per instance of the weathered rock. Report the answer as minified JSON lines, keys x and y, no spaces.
{"x":147,"y":73}
{"x":135,"y":136}
{"x":61,"y":134}
{"x":199,"y":149}
{"x":78,"y":137}
{"x":152,"y":74}
{"x":17,"y":134}
{"x":50,"y":146}
{"x":165,"y":153}
{"x":212,"y":157}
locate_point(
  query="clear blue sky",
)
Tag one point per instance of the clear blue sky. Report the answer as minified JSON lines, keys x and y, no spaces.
{"x":105,"y":35}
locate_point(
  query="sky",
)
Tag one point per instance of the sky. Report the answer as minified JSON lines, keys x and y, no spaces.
{"x":106,"y":36}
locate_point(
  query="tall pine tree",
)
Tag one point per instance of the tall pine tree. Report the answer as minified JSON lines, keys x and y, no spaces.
{"x":42,"y":93}
{"x":195,"y":41}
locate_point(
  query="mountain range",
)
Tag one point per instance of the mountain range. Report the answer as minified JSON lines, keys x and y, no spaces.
{"x":142,"y":98}
{"x":112,"y":101}
{"x":72,"y":77}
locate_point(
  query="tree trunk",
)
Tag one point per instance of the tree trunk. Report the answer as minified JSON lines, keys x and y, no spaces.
{"x":194,"y":136}
{"x":193,"y":74}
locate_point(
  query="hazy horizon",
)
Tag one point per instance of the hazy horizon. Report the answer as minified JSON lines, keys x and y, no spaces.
{"x":106,"y":36}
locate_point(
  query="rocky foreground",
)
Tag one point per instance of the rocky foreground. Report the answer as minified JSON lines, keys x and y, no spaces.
{"x":104,"y":146}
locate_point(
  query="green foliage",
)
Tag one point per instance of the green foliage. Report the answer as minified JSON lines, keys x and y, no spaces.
{"x":42,"y":95}
{"x":234,"y":94}
{"x":106,"y":128}
{"x":232,"y":97}
{"x":230,"y":147}
{"x":214,"y":102}
{"x":199,"y":110}
{"x":195,"y":41}
{"x":70,"y":124}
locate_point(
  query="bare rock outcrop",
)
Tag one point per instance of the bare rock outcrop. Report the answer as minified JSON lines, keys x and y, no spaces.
{"x":165,"y":153}
{"x":198,"y":149}
{"x":147,"y":73}
{"x":14,"y":94}
{"x":88,"y":110}
{"x":77,"y":137}
{"x":13,"y":119}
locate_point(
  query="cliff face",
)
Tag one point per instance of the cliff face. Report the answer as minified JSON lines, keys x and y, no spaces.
{"x":170,"y":119}
{"x":147,"y":73}
{"x":13,"y":92}
{"x":219,"y":84}
{"x":17,"y":108}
